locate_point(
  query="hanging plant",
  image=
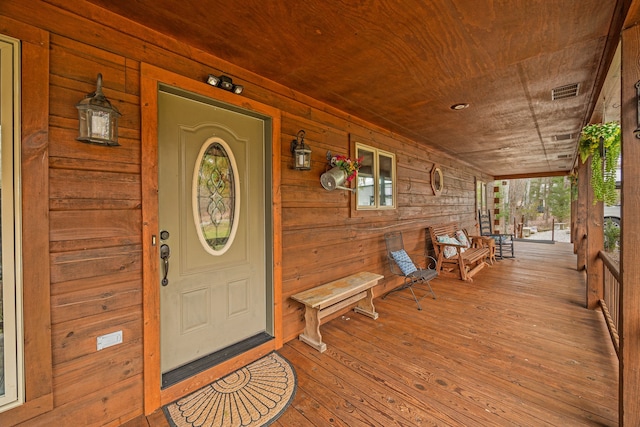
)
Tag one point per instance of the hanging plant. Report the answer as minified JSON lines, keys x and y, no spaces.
{"x":596,"y":140}
{"x":573,"y":178}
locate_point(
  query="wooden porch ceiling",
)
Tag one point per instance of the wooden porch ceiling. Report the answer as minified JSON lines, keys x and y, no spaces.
{"x":403,"y":64}
{"x":515,"y":347}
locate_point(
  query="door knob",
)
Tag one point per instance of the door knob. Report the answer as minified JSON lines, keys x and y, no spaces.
{"x":165,"y":253}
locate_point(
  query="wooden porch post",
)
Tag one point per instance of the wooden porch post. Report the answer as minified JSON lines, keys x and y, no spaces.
{"x":594,"y":244}
{"x":572,"y":224}
{"x":581,"y":216}
{"x":629,"y":329}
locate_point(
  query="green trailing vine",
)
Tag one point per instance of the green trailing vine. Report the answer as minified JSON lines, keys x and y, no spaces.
{"x":594,"y":140}
{"x":573,"y":177}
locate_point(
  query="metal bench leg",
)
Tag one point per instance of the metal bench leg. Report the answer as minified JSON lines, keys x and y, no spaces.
{"x":415,"y":299}
{"x":431,"y":289}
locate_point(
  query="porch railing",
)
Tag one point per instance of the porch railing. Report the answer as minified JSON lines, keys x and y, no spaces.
{"x":611,"y":302}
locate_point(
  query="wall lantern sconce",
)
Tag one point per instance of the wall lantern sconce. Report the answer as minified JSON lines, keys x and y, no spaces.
{"x":224,"y":82}
{"x":301,"y":153}
{"x":97,"y":118}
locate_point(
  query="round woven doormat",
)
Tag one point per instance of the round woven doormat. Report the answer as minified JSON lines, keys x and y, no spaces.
{"x":255,"y":395}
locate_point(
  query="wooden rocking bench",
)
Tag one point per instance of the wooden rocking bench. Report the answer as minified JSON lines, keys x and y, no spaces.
{"x":465,"y":263}
{"x":326,"y":299}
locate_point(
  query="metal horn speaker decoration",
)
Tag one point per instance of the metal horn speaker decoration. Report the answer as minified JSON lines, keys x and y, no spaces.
{"x":334,"y":178}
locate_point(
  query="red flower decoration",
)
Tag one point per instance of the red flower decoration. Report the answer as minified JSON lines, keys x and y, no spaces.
{"x":350,"y":167}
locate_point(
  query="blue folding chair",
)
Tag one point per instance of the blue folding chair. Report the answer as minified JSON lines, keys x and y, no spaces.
{"x":402,"y":265}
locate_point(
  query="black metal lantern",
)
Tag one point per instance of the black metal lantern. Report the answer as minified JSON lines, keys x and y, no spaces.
{"x":301,"y":153}
{"x":97,"y":118}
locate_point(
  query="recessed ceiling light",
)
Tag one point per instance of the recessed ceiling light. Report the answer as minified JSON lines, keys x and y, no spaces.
{"x":460,"y":106}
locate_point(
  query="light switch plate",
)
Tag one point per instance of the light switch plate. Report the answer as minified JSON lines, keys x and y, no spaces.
{"x":108,"y":340}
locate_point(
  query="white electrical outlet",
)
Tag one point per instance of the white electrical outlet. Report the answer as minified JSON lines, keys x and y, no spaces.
{"x":108,"y":340}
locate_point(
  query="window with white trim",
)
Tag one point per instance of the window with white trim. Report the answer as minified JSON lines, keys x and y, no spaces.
{"x":10,"y":301}
{"x":481,"y":196}
{"x":376,"y":187}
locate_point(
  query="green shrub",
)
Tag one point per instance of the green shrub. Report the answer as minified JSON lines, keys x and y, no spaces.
{"x":611,"y":235}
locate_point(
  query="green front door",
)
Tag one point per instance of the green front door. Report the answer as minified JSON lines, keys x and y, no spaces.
{"x":212,"y":221}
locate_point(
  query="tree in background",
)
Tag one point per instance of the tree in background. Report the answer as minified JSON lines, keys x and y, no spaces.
{"x":559,"y":198}
{"x":530,"y":195}
{"x":534,"y":201}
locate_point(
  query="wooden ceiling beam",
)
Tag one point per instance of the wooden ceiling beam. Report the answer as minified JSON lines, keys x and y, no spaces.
{"x":621,"y":11}
{"x":530,"y":175}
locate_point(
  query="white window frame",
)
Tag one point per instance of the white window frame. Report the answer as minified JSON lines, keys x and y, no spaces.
{"x":481,"y":195}
{"x":11,"y":214}
{"x":375,"y":175}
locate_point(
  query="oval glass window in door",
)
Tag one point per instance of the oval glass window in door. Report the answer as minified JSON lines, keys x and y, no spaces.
{"x":216,"y":198}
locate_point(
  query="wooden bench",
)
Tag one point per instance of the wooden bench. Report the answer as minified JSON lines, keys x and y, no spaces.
{"x":465,"y":264}
{"x":326,"y":299}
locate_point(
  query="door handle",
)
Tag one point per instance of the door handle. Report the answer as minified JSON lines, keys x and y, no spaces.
{"x":165,"y":253}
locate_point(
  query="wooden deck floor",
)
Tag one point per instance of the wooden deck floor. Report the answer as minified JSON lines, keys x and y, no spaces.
{"x":515,"y":347}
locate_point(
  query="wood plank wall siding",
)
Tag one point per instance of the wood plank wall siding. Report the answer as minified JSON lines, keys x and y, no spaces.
{"x":95,"y":201}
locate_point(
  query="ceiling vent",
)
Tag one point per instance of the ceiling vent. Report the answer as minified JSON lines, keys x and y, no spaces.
{"x":563,"y":137}
{"x":563,"y":92}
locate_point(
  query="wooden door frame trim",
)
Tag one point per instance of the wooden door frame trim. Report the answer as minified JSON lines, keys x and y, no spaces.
{"x":34,"y":163}
{"x":151,"y":77}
